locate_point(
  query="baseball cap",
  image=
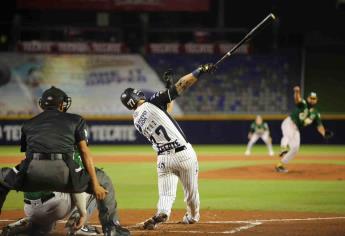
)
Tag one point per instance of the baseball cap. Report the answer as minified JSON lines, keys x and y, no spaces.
{"x":312,"y":95}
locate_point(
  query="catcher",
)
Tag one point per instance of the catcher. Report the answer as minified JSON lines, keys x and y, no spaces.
{"x":43,"y":209}
{"x":42,"y":214}
{"x":305,"y":114}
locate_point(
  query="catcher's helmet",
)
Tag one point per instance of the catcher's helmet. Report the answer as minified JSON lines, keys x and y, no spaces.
{"x":130,"y":98}
{"x":53,"y":98}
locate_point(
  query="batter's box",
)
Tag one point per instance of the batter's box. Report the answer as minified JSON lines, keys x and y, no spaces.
{"x":202,"y":228}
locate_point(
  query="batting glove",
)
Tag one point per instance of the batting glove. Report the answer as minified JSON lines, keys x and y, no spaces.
{"x":168,"y":78}
{"x":206,"y":68}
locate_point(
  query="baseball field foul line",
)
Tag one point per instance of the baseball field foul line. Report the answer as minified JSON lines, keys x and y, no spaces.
{"x":277,"y":220}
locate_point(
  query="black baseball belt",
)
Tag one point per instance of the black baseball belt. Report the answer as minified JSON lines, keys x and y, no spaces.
{"x":47,"y":156}
{"x":178,"y":149}
{"x":43,"y":199}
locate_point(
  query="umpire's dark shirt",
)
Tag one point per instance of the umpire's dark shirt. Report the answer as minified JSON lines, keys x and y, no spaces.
{"x":53,"y":131}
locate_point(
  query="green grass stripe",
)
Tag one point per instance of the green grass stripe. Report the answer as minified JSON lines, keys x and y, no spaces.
{"x":200,"y":149}
{"x":136,"y":188}
{"x":136,"y":183}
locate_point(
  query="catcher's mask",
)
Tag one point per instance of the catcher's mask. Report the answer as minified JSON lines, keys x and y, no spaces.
{"x":52,"y":98}
{"x":130,"y":98}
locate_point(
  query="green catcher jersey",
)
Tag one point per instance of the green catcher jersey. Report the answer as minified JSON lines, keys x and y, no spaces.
{"x":255,"y":128}
{"x":303,"y":116}
{"x":38,"y":195}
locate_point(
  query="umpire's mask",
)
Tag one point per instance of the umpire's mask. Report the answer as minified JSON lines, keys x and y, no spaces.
{"x":130,"y":98}
{"x":52,"y":98}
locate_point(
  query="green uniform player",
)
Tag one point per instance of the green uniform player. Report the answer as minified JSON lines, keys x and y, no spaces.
{"x":304,"y":114}
{"x":259,"y":129}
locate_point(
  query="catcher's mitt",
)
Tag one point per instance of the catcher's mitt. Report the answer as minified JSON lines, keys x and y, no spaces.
{"x":328,"y":134}
{"x":168,"y":78}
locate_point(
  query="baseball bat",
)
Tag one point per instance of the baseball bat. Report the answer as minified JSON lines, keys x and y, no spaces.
{"x":270,"y":18}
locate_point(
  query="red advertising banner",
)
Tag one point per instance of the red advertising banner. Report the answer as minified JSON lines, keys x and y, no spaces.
{"x":116,"y":5}
{"x":71,"y":47}
{"x":194,"y":48}
{"x":118,"y":48}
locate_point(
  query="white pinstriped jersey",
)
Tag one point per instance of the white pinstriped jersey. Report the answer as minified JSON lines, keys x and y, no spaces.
{"x":152,"y":121}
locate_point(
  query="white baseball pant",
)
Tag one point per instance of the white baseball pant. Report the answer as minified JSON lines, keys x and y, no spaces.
{"x":291,"y":137}
{"x":172,"y":167}
{"x":46,"y":214}
{"x":265,"y":137}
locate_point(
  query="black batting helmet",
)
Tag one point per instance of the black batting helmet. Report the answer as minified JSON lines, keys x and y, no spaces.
{"x":130,"y":98}
{"x":53,"y":98}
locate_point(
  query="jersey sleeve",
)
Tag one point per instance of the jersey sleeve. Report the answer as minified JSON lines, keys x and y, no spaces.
{"x":81,"y":132}
{"x":252,"y":128}
{"x":23,"y":141}
{"x":161,"y":99}
{"x":302,"y":104}
{"x":318,"y":119}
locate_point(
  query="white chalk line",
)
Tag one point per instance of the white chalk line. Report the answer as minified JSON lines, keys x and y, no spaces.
{"x":278,"y":220}
{"x":248,"y":224}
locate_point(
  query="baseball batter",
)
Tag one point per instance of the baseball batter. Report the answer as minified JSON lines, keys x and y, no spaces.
{"x":305,"y":114}
{"x":176,"y":159}
{"x":259,"y":129}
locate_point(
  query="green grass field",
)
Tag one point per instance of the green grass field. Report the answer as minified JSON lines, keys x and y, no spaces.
{"x":136,"y":183}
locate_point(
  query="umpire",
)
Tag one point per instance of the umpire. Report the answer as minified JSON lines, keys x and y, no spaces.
{"x":49,"y":140}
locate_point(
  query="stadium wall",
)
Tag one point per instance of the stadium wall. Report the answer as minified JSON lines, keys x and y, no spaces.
{"x":219,"y":130}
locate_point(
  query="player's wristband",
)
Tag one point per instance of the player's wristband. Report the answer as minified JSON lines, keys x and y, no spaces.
{"x":197,"y":73}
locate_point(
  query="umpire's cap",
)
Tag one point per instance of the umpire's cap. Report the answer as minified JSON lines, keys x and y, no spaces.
{"x":130,"y":98}
{"x":53,"y":98}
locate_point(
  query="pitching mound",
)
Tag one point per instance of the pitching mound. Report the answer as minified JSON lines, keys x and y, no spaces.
{"x":296,"y":172}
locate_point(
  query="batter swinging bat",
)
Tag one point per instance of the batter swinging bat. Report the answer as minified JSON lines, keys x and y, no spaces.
{"x":270,"y":18}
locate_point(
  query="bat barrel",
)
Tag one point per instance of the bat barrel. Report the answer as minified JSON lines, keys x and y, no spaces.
{"x":256,"y":29}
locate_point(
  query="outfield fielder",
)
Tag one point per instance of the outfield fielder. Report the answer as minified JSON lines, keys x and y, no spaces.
{"x":176,"y":157}
{"x":259,"y":129}
{"x":305,"y":114}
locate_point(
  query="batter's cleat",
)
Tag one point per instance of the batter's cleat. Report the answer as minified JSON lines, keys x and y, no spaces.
{"x":115,"y":230}
{"x":187,"y":219}
{"x":281,"y":169}
{"x":247,"y":153}
{"x":271,"y":154}
{"x":152,"y":223}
